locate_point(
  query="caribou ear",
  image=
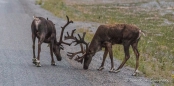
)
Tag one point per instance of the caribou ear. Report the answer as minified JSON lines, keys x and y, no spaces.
{"x":34,"y":17}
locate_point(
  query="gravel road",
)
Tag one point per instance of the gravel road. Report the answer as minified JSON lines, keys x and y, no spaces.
{"x":16,"y":54}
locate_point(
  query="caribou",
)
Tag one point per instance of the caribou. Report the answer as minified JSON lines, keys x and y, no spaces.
{"x":106,"y":36}
{"x":45,"y":31}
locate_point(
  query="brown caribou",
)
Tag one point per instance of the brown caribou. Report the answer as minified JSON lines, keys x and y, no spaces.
{"x":45,"y":31}
{"x":105,"y":37}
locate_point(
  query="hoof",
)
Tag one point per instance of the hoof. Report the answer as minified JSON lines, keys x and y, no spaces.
{"x":100,"y":68}
{"x":114,"y":71}
{"x":34,"y":61}
{"x":38,"y":64}
{"x":53,"y":64}
{"x":134,"y":74}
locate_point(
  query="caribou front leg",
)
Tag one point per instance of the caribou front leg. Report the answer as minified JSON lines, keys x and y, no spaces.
{"x":51,"y":53}
{"x":109,"y":47}
{"x":51,"y":48}
{"x":104,"y":57}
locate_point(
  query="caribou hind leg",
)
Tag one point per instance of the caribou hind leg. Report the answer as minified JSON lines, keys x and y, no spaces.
{"x":40,"y":41}
{"x":127,"y":55}
{"x":34,"y":55}
{"x":134,"y":47}
{"x":104,"y":57}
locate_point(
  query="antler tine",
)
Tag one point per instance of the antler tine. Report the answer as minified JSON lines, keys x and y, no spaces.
{"x":80,"y":59}
{"x":81,"y":39}
{"x":71,"y":55}
{"x":70,"y":37}
{"x":84,"y":33}
{"x":63,"y":28}
{"x":68,"y":22}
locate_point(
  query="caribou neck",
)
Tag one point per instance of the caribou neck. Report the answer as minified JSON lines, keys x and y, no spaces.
{"x":94,"y":47}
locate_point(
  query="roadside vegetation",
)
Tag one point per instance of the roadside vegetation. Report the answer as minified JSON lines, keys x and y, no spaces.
{"x":156,"y":48}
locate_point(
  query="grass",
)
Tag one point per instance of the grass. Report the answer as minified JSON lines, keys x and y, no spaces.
{"x":156,"y":48}
{"x":38,"y":2}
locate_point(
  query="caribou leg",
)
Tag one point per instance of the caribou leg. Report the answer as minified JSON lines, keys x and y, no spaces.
{"x":134,"y":47}
{"x":39,"y":50}
{"x":51,"y":53}
{"x":109,"y":47}
{"x":34,"y":55}
{"x":127,"y":55}
{"x":104,"y":57}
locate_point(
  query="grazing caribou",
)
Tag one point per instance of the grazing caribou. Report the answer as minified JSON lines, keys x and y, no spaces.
{"x":45,"y":31}
{"x":106,"y":36}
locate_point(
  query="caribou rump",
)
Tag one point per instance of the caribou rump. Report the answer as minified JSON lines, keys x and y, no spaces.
{"x":45,"y":31}
{"x":105,"y":37}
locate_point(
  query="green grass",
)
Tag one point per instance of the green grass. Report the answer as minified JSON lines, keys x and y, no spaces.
{"x":38,"y":2}
{"x":156,"y":48}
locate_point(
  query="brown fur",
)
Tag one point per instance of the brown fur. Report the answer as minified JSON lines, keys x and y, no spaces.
{"x":45,"y":31}
{"x":108,"y":35}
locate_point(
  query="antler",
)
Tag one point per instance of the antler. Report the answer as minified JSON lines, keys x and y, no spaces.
{"x":63,"y":28}
{"x":80,"y":59}
{"x":70,"y":37}
{"x":81,"y":40}
{"x":71,"y":55}
{"x":83,"y":51}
